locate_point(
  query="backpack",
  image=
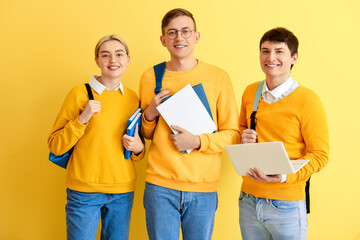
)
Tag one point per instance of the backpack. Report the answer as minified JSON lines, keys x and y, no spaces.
{"x":62,"y":160}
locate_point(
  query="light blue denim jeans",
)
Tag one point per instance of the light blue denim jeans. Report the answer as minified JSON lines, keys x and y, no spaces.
{"x":263,"y":219}
{"x":167,"y":209}
{"x":83,"y":212}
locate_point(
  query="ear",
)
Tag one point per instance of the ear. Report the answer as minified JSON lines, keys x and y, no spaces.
{"x":162,"y":39}
{"x":197,"y":37}
{"x":294,"y":58}
{"x":97,"y":62}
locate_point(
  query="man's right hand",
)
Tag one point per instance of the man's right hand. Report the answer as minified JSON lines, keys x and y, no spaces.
{"x":249,"y":136}
{"x":151,"y":112}
{"x":91,"y":108}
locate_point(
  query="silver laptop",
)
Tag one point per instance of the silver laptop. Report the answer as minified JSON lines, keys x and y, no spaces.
{"x":270,"y":157}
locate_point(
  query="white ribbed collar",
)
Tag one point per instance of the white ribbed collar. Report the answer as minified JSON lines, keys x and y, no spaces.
{"x":99,"y":87}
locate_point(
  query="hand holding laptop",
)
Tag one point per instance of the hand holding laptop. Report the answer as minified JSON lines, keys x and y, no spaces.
{"x":250,"y":136}
{"x":257,"y":175}
{"x":269,"y":157}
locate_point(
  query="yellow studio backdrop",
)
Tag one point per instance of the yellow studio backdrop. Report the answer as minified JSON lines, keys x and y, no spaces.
{"x":47,"y":48}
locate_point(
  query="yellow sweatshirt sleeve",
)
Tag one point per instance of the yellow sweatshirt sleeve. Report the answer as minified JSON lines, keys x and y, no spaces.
{"x":147,"y":128}
{"x":64,"y":135}
{"x":314,"y":129}
{"x":67,"y":129}
{"x":227,"y":121}
{"x":137,"y":158}
{"x":147,"y":82}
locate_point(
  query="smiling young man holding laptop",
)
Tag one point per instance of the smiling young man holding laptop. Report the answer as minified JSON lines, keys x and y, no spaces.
{"x":273,"y":206}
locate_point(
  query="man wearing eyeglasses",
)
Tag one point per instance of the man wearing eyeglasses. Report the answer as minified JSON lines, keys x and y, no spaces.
{"x":181,"y":188}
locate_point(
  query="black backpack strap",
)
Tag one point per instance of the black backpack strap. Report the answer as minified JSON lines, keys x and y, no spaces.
{"x":252,"y":120}
{"x":159,"y":70}
{"x":307,"y":194}
{"x":88,"y":89}
{"x":256,"y":103}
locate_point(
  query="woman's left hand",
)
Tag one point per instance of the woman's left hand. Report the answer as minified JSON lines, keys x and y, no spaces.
{"x":134,"y":144}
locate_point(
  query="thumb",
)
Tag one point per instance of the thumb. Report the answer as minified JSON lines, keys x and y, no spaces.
{"x":136,"y":134}
{"x":177,"y":128}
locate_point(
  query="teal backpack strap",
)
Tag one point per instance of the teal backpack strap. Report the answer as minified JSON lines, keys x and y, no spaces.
{"x":159,"y":70}
{"x":256,"y":103}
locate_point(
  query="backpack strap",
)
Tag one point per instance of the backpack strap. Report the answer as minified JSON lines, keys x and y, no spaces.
{"x":307,"y":195}
{"x":159,"y":70}
{"x":256,"y":103}
{"x":88,"y":89}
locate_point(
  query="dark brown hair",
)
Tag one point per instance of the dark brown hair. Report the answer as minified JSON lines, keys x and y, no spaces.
{"x":281,"y":34}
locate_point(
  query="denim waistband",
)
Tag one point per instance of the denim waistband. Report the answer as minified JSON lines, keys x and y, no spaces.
{"x":243,"y":194}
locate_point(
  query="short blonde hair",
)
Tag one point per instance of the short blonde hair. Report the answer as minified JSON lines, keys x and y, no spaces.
{"x":110,"y":38}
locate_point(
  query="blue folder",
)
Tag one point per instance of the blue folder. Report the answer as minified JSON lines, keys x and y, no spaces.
{"x":199,"y":90}
{"x":133,"y":116}
{"x":133,"y":120}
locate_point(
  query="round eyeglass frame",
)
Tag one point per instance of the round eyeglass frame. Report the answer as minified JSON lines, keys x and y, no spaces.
{"x":181,"y":32}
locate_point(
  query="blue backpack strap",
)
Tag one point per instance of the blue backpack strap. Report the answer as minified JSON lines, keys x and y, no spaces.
{"x":159,"y":70}
{"x":256,"y":103}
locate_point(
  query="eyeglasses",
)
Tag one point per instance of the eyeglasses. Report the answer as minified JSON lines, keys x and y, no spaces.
{"x":173,"y":33}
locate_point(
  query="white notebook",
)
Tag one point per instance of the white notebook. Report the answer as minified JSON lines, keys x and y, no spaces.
{"x":269,"y":157}
{"x":185,"y":109}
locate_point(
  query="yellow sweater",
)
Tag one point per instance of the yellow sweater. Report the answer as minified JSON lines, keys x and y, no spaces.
{"x":97,"y":163}
{"x":198,"y":171}
{"x":299,"y":121}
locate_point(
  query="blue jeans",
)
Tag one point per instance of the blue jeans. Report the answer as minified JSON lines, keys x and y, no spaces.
{"x":262,"y":218}
{"x":166,"y":209}
{"x":83,"y":212}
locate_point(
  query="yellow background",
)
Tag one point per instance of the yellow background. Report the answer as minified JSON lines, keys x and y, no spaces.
{"x":47,"y":48}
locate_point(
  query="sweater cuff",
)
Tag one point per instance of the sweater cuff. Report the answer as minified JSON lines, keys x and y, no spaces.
{"x":77,"y":127}
{"x":136,"y":158}
{"x":148,"y":125}
{"x":291,"y":178}
{"x":204,"y":142}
